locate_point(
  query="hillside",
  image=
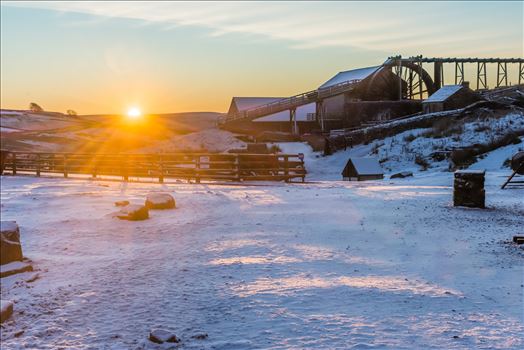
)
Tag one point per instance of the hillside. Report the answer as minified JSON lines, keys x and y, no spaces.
{"x":26,"y":131}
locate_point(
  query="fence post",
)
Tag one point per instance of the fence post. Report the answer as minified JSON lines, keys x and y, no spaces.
{"x":124,"y":165}
{"x":65,"y":165}
{"x":161,"y":168}
{"x":197,"y":169}
{"x":286,"y":168}
{"x":38,"y":165}
{"x":14,"y":163}
{"x":237,"y":167}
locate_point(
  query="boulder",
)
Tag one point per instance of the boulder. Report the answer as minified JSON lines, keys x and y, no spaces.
{"x":6,"y":310}
{"x":121,"y":203}
{"x":10,"y":247}
{"x":133,"y":212}
{"x":160,"y":336}
{"x":160,"y":201}
{"x":200,"y":336}
{"x":401,"y":175}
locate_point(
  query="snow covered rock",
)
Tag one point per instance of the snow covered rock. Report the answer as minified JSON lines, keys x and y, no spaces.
{"x":121,"y":203}
{"x":160,"y":201}
{"x":162,"y":336}
{"x":6,"y":310}
{"x":401,"y":175}
{"x":10,"y":247}
{"x":14,"y":267}
{"x":200,"y":336}
{"x":133,"y":212}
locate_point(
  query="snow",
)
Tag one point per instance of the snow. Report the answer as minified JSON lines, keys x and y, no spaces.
{"x":367,"y":166}
{"x":8,"y":226}
{"x":244,"y":103}
{"x":353,"y":74}
{"x":301,"y":114}
{"x":443,"y":93}
{"x":325,"y":264}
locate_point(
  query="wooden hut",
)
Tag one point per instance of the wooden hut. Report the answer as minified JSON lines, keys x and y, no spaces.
{"x":450,"y":97}
{"x":360,"y":169}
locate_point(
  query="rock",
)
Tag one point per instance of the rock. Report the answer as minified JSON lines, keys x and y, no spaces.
{"x":10,"y":247}
{"x":160,"y":336}
{"x":160,"y":201}
{"x":200,"y":336}
{"x":401,"y":175}
{"x":6,"y":310}
{"x":468,"y":189}
{"x":121,"y":203}
{"x":133,"y":212}
{"x":14,"y":267}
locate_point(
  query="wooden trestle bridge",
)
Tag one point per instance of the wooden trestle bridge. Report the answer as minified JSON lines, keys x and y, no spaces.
{"x":410,"y":70}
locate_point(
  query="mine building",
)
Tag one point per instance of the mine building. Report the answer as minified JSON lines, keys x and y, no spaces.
{"x":450,"y":97}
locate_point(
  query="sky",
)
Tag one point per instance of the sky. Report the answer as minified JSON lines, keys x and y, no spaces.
{"x":167,"y":57}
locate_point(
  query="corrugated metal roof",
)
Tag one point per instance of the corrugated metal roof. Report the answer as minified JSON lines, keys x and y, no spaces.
{"x":301,"y":114}
{"x":354,"y":74}
{"x":443,"y":93}
{"x":244,"y":103}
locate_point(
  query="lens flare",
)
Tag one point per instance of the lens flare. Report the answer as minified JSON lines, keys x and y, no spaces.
{"x":134,"y":113}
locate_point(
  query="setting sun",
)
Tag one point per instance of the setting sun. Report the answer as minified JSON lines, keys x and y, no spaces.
{"x":134,"y":113}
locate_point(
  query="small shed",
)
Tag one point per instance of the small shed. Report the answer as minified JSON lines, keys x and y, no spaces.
{"x":360,"y":169}
{"x":450,"y":97}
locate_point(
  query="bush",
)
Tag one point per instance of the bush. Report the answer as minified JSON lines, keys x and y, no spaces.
{"x":35,"y":108}
{"x":274,"y":149}
{"x":409,"y":138}
{"x":445,"y":127}
{"x":420,"y":160}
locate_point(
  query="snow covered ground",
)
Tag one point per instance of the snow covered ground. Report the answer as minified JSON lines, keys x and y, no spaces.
{"x":329,"y":264}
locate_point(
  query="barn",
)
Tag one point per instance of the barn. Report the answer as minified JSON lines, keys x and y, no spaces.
{"x":450,"y":97}
{"x":360,"y":169}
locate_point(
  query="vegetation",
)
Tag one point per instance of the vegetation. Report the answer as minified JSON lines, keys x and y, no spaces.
{"x":421,"y":161}
{"x":35,"y":108}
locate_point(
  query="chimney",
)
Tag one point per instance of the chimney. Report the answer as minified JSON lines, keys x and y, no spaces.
{"x":465,"y":84}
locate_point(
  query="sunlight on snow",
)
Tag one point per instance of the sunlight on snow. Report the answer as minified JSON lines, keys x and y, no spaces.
{"x":289,"y":285}
{"x":255,"y":260}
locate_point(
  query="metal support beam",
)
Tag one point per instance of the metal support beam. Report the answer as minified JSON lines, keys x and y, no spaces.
{"x":521,"y":73}
{"x":439,"y":75}
{"x":482,"y":82}
{"x":319,"y":113}
{"x":420,"y":89}
{"x":459,"y":73}
{"x":399,"y":74}
{"x":293,"y":121}
{"x":502,"y":74}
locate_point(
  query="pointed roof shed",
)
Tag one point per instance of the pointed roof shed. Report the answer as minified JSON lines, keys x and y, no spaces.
{"x":359,"y":169}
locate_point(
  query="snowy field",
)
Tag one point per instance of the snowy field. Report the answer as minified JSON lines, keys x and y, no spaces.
{"x":324,"y":265}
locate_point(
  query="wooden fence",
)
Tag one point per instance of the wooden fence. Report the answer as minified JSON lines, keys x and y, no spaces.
{"x":197,"y":166}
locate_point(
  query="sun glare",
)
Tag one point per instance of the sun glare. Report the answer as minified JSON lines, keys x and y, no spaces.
{"x":134,"y":113}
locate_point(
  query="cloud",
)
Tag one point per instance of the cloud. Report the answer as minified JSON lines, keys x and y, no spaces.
{"x":382,"y":26}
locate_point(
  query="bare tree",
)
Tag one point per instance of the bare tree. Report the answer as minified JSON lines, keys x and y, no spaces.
{"x":33,"y":107}
{"x":71,"y":113}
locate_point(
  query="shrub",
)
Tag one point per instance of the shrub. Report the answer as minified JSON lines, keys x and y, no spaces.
{"x":274,"y":149}
{"x":420,"y":160}
{"x":409,"y":138}
{"x":445,"y":127}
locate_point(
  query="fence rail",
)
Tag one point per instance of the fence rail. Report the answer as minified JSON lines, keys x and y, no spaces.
{"x":195,"y":166}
